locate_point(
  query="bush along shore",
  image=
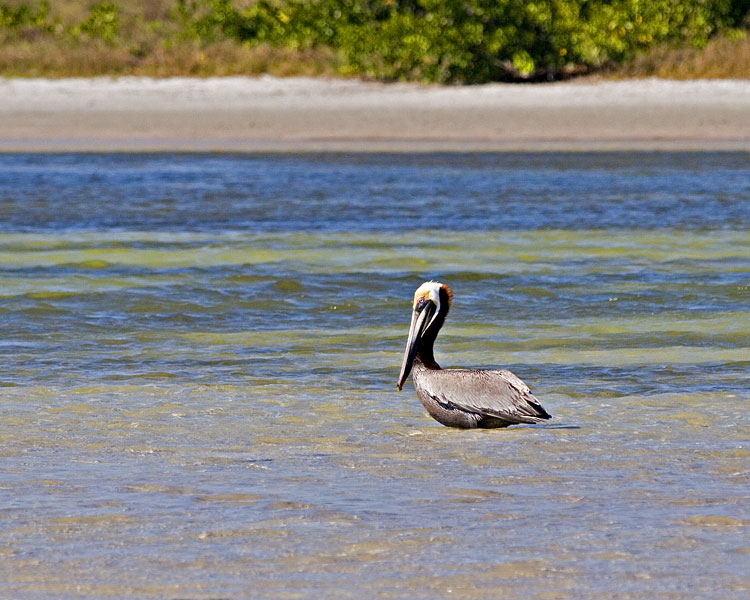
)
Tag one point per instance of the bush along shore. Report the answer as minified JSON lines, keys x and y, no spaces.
{"x":440,"y":41}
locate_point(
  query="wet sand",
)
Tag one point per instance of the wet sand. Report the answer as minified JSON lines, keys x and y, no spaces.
{"x":296,"y":114}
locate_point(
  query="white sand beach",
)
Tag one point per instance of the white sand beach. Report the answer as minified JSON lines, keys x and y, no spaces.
{"x":268,"y":114}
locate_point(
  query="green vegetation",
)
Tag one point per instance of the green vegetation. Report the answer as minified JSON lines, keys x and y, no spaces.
{"x":447,"y":41}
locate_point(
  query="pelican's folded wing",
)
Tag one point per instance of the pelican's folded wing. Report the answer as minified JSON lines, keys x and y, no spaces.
{"x":492,"y":393}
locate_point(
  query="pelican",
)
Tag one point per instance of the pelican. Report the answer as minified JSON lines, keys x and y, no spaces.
{"x":466,"y":398}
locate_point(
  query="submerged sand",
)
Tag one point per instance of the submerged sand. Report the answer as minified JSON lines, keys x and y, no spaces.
{"x":299,"y":114}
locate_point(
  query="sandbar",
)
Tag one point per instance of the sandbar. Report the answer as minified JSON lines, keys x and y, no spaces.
{"x":268,"y":114}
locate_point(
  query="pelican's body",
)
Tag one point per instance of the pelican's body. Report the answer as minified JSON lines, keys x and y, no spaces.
{"x":466,"y":398}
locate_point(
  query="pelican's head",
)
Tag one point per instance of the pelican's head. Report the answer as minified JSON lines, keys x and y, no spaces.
{"x":431,"y":301}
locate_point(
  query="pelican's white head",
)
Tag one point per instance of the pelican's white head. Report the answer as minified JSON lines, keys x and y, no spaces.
{"x":430,"y":290}
{"x":431,"y":302}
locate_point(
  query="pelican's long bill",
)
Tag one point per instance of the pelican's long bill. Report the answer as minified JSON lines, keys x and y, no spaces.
{"x":421,"y":318}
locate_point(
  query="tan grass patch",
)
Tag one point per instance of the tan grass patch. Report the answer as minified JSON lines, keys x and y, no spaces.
{"x":722,"y":58}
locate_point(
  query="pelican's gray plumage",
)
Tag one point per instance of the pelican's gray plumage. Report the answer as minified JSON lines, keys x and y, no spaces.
{"x":466,"y":398}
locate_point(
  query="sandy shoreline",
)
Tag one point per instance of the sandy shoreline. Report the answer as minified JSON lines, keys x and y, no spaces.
{"x":287,"y":115}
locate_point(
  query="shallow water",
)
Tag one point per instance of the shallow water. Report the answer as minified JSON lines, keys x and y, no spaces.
{"x":199,"y":356}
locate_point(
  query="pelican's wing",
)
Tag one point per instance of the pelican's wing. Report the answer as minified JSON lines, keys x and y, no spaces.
{"x":492,"y":393}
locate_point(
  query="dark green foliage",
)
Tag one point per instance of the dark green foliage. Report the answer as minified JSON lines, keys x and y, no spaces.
{"x":468,"y":40}
{"x":432,"y":40}
{"x":24,"y":16}
{"x":101,"y":22}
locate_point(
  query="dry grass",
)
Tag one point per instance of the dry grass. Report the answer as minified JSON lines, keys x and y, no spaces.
{"x":44,"y":58}
{"x":149,"y":43}
{"x":723,"y":58}
{"x":225,"y":58}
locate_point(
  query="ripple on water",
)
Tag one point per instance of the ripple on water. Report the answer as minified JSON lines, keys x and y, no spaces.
{"x":202,"y":403}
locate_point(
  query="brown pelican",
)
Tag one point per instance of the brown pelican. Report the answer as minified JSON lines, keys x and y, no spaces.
{"x":467,"y":398}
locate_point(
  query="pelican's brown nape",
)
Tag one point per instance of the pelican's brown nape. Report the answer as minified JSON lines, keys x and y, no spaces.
{"x":467,"y":398}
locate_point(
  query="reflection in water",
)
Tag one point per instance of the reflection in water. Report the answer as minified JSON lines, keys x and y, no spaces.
{"x":200,"y":354}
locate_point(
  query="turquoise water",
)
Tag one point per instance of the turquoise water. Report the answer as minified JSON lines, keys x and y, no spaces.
{"x":199,"y":358}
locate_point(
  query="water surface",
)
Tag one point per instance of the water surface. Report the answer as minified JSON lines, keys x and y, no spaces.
{"x":199,"y":356}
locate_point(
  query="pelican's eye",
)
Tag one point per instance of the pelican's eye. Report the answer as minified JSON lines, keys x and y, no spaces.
{"x":421,"y":303}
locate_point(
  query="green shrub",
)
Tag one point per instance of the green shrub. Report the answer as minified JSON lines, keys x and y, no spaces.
{"x":467,"y":40}
{"x":24,"y":16}
{"x":102,"y":21}
{"x":457,"y":41}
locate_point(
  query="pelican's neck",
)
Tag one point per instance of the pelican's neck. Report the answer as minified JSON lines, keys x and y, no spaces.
{"x":420,"y":367}
{"x":425,"y":354}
